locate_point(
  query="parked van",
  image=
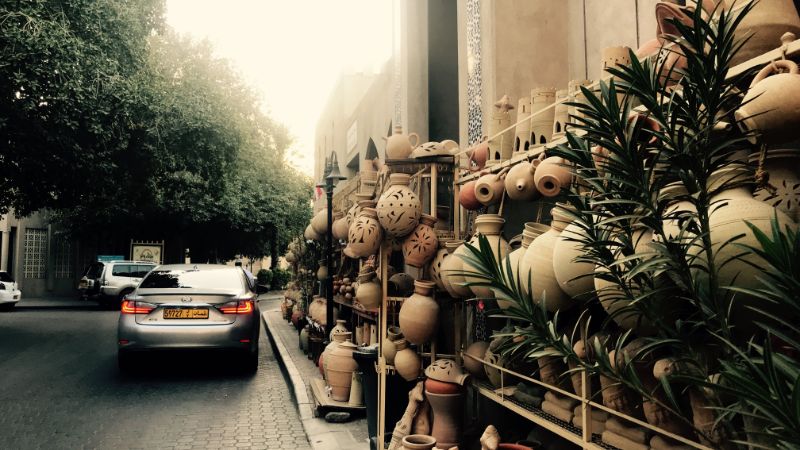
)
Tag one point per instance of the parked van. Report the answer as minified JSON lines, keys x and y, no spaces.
{"x":109,"y":282}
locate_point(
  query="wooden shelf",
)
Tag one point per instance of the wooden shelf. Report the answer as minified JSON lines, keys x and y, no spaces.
{"x":366,"y":314}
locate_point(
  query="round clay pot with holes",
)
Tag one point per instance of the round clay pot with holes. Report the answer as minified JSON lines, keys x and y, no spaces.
{"x":399,"y":208}
{"x":421,"y":245}
{"x":551,"y":175}
{"x":365,"y":234}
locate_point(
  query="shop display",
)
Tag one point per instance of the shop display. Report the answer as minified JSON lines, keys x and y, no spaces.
{"x":519,"y":182}
{"x":399,"y":208}
{"x":365,"y":234}
{"x":419,"y":314}
{"x":399,"y":145}
{"x":422,"y":244}
{"x":490,"y":226}
{"x":543,"y":115}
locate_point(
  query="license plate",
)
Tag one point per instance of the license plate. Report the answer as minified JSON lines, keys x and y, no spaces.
{"x":186,"y":313}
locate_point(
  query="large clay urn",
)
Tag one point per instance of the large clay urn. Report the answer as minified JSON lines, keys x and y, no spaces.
{"x":532,"y":231}
{"x":447,"y":371}
{"x":419,"y":314}
{"x":365,"y":234}
{"x":340,"y":227}
{"x":399,"y":208}
{"x":490,"y":226}
{"x":421,"y":245}
{"x":447,"y":417}
{"x":489,"y":189}
{"x":544,"y":285}
{"x":435,"y":269}
{"x":452,"y":267}
{"x":475,"y":352}
{"x":542,"y":120}
{"x":519,"y":182}
{"x":406,"y":361}
{"x":320,"y":222}
{"x":338,"y":329}
{"x":514,"y":259}
{"x":551,"y":175}
{"x":466,"y":196}
{"x":335,"y":340}
{"x":782,"y":189}
{"x":369,"y":292}
{"x":771,"y":108}
{"x":339,"y":370}
{"x":399,"y":145}
{"x":575,"y":278}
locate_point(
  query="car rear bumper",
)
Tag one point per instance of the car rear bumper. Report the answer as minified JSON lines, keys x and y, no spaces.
{"x":242,"y":334}
{"x":9,"y":296}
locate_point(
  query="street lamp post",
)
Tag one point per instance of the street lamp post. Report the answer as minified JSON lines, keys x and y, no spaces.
{"x":331,"y":179}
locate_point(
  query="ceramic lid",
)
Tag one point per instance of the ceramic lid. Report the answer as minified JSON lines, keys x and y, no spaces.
{"x":447,"y":371}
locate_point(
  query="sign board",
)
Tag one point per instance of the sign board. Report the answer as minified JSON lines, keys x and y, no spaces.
{"x":147,"y":251}
{"x":352,"y":136}
{"x":109,"y":258}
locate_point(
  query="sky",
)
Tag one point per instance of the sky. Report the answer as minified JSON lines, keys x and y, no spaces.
{"x":291,"y":51}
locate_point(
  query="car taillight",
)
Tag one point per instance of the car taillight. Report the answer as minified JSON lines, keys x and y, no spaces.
{"x":238,"y":307}
{"x":135,"y":307}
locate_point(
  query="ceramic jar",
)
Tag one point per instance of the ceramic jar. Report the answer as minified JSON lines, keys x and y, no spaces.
{"x":322,"y":272}
{"x":435,"y":269}
{"x":339,"y":328}
{"x":560,"y":114}
{"x":339,"y":370}
{"x":399,"y":145}
{"x":366,"y":234}
{"x":542,"y":120}
{"x":421,"y":245}
{"x":519,"y":182}
{"x":783,"y":190}
{"x":335,"y":340}
{"x":544,"y":285}
{"x":478,"y":156}
{"x":310,"y":234}
{"x":362,"y":201}
{"x":771,"y":108}
{"x":551,"y":175}
{"x":399,"y":208}
{"x":764,"y":26}
{"x":523,"y":129}
{"x":447,"y":371}
{"x":466,"y":196}
{"x":532,"y":231}
{"x":388,"y":347}
{"x":340,"y":228}
{"x":369,"y":292}
{"x":452,"y":267}
{"x":501,"y":146}
{"x":472,"y":365}
{"x":514,"y":259}
{"x":491,"y":226}
{"x":418,"y":442}
{"x":574,"y":278}
{"x":447,"y":417}
{"x":320,"y":222}
{"x":489,"y":189}
{"x":406,"y":361}
{"x":317,"y":309}
{"x":419,"y":314}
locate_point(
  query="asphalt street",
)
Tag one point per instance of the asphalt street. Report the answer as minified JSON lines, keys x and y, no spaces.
{"x":60,"y":389}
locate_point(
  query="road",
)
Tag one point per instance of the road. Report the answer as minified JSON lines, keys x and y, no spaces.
{"x":60,"y":389}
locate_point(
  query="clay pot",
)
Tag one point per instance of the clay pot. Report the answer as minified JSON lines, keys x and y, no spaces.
{"x":551,"y":175}
{"x":441,"y":387}
{"x":478,"y":156}
{"x":362,"y":201}
{"x":447,"y":371}
{"x":339,"y":370}
{"x":335,"y":340}
{"x":783,"y":192}
{"x":406,"y":361}
{"x":764,"y":27}
{"x":514,"y":259}
{"x":542,"y":122}
{"x":532,"y":231}
{"x":574,"y":278}
{"x":399,"y":208}
{"x":435,"y":269}
{"x":473,"y":366}
{"x":452,"y":267}
{"x":419,"y":314}
{"x":421,"y":245}
{"x":523,"y":129}
{"x":489,"y":225}
{"x":399,"y":145}
{"x":296,"y":316}
{"x":340,"y":228}
{"x":418,"y":442}
{"x":388,"y":347}
{"x":519,"y":182}
{"x":466,"y":196}
{"x":505,"y":446}
{"x":310,"y":234}
{"x":544,"y":285}
{"x":447,"y":417}
{"x":771,"y":108}
{"x":338,"y":329}
{"x":318,"y":311}
{"x":322,"y":273}
{"x":303,"y":340}
{"x":369,"y":292}
{"x":489,"y":189}
{"x":365,"y":235}
{"x":320,"y":222}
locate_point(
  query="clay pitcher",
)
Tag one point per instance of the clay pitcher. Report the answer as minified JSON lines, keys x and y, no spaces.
{"x":406,"y":361}
{"x":489,"y":189}
{"x":399,"y":145}
{"x":366,"y":234}
{"x":551,"y":175}
{"x":369,"y":292}
{"x":340,"y":366}
{"x":419,"y":314}
{"x":489,"y":225}
{"x":466,"y":196}
{"x":478,"y":156}
{"x":421,"y":245}
{"x":771,"y":108}
{"x":519,"y":182}
{"x":399,"y":208}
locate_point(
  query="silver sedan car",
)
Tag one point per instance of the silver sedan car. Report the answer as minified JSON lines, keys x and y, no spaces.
{"x":191,"y":306}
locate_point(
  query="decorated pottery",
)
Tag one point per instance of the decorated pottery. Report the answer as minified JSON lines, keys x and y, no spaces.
{"x":532,"y":231}
{"x":317,"y":310}
{"x":519,"y":182}
{"x":441,"y":387}
{"x":523,"y":129}
{"x":363,"y":200}
{"x":771,"y":108}
{"x":474,"y":366}
{"x":478,"y":156}
{"x":365,"y":234}
{"x":551,"y":175}
{"x":399,"y":145}
{"x":388,"y":347}
{"x":446,"y":370}
{"x":419,"y":314}
{"x":782,"y":188}
{"x":406,"y":361}
{"x":337,"y":329}
{"x":320,"y":222}
{"x":435,"y":269}
{"x":500,"y":145}
{"x":544,"y":285}
{"x":452,"y":266}
{"x":340,"y":228}
{"x":399,"y":208}
{"x":489,"y":189}
{"x":444,"y":148}
{"x":489,"y":225}
{"x":541,"y":124}
{"x":421,"y":245}
{"x":418,"y":442}
{"x":575,"y":278}
{"x":369,"y":292}
{"x":466,"y":196}
{"x":339,"y":370}
{"x":560,"y":114}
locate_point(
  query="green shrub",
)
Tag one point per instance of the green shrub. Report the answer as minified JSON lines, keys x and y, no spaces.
{"x":280,"y":277}
{"x":264,"y":276}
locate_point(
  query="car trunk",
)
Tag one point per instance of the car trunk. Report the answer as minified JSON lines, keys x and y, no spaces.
{"x":177,"y":299}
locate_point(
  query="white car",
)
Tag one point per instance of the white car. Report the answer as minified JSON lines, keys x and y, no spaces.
{"x":9,"y":292}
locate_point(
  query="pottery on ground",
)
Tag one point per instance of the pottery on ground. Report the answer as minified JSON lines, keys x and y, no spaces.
{"x":399,"y":145}
{"x":541,"y":124}
{"x":339,"y":370}
{"x":467,"y":197}
{"x":303,"y":338}
{"x":519,"y":182}
{"x":421,"y":245}
{"x":771,"y":108}
{"x":365,"y":234}
{"x":335,"y":340}
{"x":399,"y":208}
{"x":406,"y":361}
{"x":419,"y":314}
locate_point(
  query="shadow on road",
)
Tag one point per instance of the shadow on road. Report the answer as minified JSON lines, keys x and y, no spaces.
{"x":184,"y":365}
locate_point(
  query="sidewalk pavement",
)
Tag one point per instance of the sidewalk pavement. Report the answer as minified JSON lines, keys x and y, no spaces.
{"x":55,"y":302}
{"x":298,"y":368}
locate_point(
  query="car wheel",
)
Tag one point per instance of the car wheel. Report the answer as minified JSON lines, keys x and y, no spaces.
{"x":124,"y":361}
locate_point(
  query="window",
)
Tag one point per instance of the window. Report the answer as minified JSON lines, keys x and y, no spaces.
{"x":62,"y":256}
{"x":94,"y":270}
{"x":140,"y":270}
{"x":121,"y":270}
{"x":197,"y":279}
{"x":35,"y":263}
{"x":4,"y":276}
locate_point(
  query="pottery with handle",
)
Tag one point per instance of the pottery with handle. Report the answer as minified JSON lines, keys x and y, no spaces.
{"x":399,"y":145}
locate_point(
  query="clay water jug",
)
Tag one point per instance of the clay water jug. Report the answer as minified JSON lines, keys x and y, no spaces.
{"x":435,"y":269}
{"x":365,"y":234}
{"x":320,"y":222}
{"x":322,"y":272}
{"x":388,"y":347}
{"x":543,"y":115}
{"x":764,"y":27}
{"x":771,"y":108}
{"x":523,"y":129}
{"x":532,"y":231}
{"x":406,"y":361}
{"x":782,"y":190}
{"x":421,"y":245}
{"x":514,"y":259}
{"x":399,"y":208}
{"x":544,"y":286}
{"x":551,"y":175}
{"x":399,"y":145}
{"x":340,"y":227}
{"x":447,"y":417}
{"x":561,"y":114}
{"x":466,"y":196}
{"x":335,"y":340}
{"x":452,"y":267}
{"x":475,"y":352}
{"x":575,"y":278}
{"x":340,"y":366}
{"x":489,"y":189}
{"x":419,"y":314}
{"x":338,"y":329}
{"x":519,"y":182}
{"x":490,"y":226}
{"x":369,"y":292}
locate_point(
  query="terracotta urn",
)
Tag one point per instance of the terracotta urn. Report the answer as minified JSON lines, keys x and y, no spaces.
{"x":478,"y":156}
{"x":514,"y":259}
{"x":365,"y":234}
{"x":369,"y":292}
{"x":435,"y":269}
{"x":490,"y":226}
{"x":551,"y":175}
{"x":335,"y":340}
{"x":466,"y":196}
{"x":421,"y":245}
{"x":531,"y":232}
{"x":418,"y":442}
{"x":489,"y":189}
{"x":575,"y":278}
{"x":542,"y":120}
{"x":447,"y":417}
{"x":310,"y":234}
{"x":451,"y":267}
{"x":419,"y":314}
{"x":782,"y":189}
{"x":363,"y":200}
{"x":320,"y":222}
{"x":441,"y":387}
{"x":560,"y":114}
{"x":317,"y":308}
{"x":399,"y":145}
{"x":399,"y":208}
{"x":519,"y":182}
{"x":522,"y":132}
{"x":388,"y":347}
{"x":339,"y":370}
{"x":476,"y":350}
{"x":764,"y":27}
{"x":322,"y":272}
{"x":771,"y":108}
{"x":446,"y":370}
{"x":297,"y":315}
{"x":406,"y":361}
{"x":544,"y":285}
{"x":340,"y":228}
{"x":337,"y":329}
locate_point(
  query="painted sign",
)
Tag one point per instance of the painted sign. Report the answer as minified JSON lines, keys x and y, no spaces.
{"x":147,"y":251}
{"x":109,"y":258}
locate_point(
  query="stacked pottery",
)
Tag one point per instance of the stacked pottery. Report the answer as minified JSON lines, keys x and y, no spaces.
{"x":514,"y":259}
{"x":519,"y":182}
{"x":452,"y":267}
{"x":339,"y":370}
{"x":523,"y":129}
{"x":771,"y":108}
{"x":399,"y":145}
{"x":490,"y":226}
{"x":544,"y":286}
{"x":501,"y":147}
{"x":338,"y":329}
{"x":335,"y":339}
{"x":399,"y":208}
{"x":489,"y":189}
{"x":365,"y":235}
{"x":421,"y":245}
{"x":388,"y":347}
{"x":574,"y":278}
{"x":466,"y":196}
{"x":419,"y":314}
{"x":551,"y":175}
{"x":542,"y":122}
{"x":340,"y":227}
{"x":362,"y":201}
{"x":445,"y":393}
{"x":320,"y":222}
{"x":472,"y":356}
{"x":560,"y":114}
{"x":406,"y":360}
{"x":435,"y":269}
{"x":369,"y":292}
{"x":532,"y":231}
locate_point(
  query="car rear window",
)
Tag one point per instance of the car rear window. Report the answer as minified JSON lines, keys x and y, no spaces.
{"x":4,"y":276}
{"x":94,"y":270}
{"x":197,"y":278}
